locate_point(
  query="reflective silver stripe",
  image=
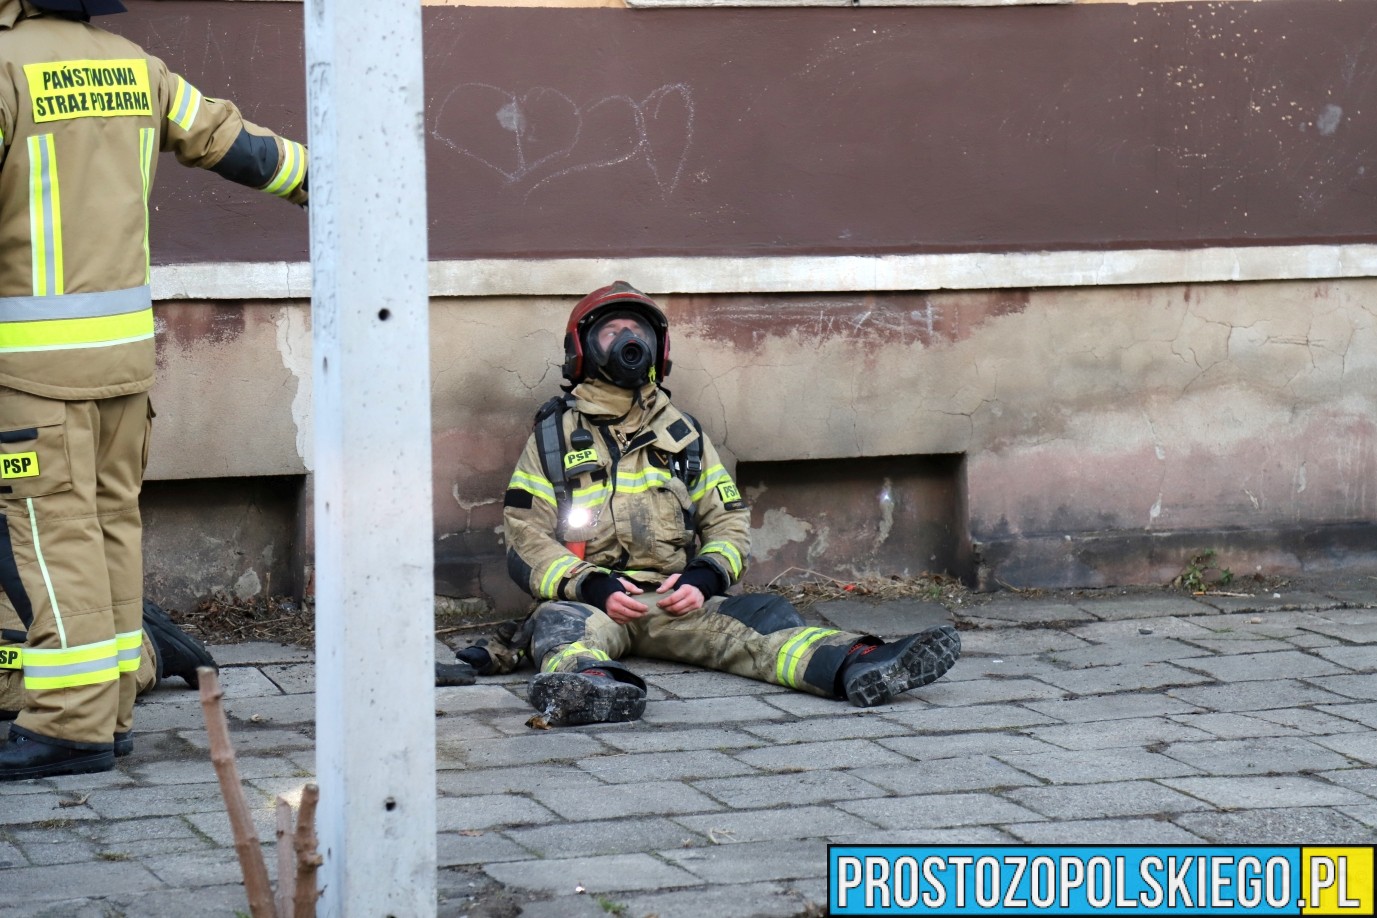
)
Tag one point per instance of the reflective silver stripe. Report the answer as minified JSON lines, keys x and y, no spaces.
{"x":75,"y":305}
{"x":44,"y":217}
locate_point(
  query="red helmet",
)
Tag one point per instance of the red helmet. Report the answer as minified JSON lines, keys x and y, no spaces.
{"x":620,"y":297}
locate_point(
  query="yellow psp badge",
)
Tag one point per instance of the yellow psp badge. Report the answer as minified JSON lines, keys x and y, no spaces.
{"x":19,"y":465}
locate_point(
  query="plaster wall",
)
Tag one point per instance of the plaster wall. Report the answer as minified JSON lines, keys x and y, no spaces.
{"x":1096,"y":417}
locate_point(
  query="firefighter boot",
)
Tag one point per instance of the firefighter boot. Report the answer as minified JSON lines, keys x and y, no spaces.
{"x":590,"y":696}
{"x":179,"y":654}
{"x":27,"y":756}
{"x":124,"y":743}
{"x":874,"y":673}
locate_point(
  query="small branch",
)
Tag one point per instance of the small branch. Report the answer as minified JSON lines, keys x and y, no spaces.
{"x":307,"y":857}
{"x":241,"y":821}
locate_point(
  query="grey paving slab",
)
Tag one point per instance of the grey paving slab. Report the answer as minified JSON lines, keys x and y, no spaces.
{"x":533,"y":748}
{"x":482,"y":696}
{"x":722,"y":900}
{"x":1257,"y":793}
{"x":1253,"y":696}
{"x":47,"y":806}
{"x":1103,"y":801}
{"x":214,"y":867}
{"x":518,"y":779}
{"x":1118,"y":608}
{"x":1010,"y":642}
{"x":626,"y":767}
{"x":1309,"y":720}
{"x":1354,"y":596}
{"x":1231,"y":645}
{"x":851,"y":723}
{"x":1130,"y":630}
{"x":1269,"y":602}
{"x":1111,"y":734}
{"x":1097,"y":766}
{"x":577,"y":906}
{"x":292,"y":678}
{"x":984,"y":691}
{"x":940,"y":810}
{"x":10,"y":856}
{"x":253,"y":653}
{"x":790,"y":705}
{"x":657,"y":797}
{"x":940,"y":776}
{"x":650,"y":739}
{"x":454,"y":731}
{"x":1256,"y":756}
{"x":762,"y":791}
{"x":1124,"y":677}
{"x":699,"y":711}
{"x":807,"y":756}
{"x":1363,"y":780}
{"x":69,"y":850}
{"x":1359,"y":712}
{"x":1135,"y":649}
{"x":958,"y":745}
{"x":1354,"y":633}
{"x":215,"y":825}
{"x":1248,"y":667}
{"x":1102,"y":832}
{"x":168,"y":800}
{"x":245,"y":682}
{"x":1026,"y":611}
{"x":610,"y":873}
{"x":1231,"y":726}
{"x":97,"y":879}
{"x":1112,"y":707}
{"x":477,"y":847}
{"x":977,"y":667}
{"x":768,"y":825}
{"x":1360,"y":658}
{"x":228,"y":901}
{"x":202,"y":771}
{"x":1307,"y":640}
{"x":252,"y":739}
{"x":1358,"y":687}
{"x":959,"y":835}
{"x":764,"y":860}
{"x":1364,"y":813}
{"x":613,"y":836}
{"x":174,"y":716}
{"x":976,"y":717}
{"x":887,"y":620}
{"x":459,"y":814}
{"x":1289,"y":825}
{"x":705,"y":684}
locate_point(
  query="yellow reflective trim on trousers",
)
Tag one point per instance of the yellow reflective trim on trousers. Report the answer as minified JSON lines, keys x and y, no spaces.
{"x":290,"y":171}
{"x":707,"y":481}
{"x":147,"y":148}
{"x":549,"y":584}
{"x":786,"y":664}
{"x":64,"y":334}
{"x":533,"y":485}
{"x":729,"y":553}
{"x":88,"y":664}
{"x":128,"y":650}
{"x":45,"y":217}
{"x":43,"y":568}
{"x":575,"y":648}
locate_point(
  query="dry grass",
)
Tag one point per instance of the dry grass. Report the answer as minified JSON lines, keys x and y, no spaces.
{"x":804,"y":588}
{"x":224,"y":619}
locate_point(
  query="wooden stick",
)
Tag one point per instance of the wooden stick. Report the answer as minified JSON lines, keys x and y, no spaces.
{"x":246,"y":844}
{"x":307,"y":857}
{"x":286,"y":859}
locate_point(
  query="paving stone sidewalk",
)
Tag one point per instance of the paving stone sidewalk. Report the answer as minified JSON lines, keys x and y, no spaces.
{"x":1091,"y":717}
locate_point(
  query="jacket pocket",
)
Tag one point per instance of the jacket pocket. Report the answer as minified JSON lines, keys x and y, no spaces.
{"x":674,"y":514}
{"x":33,"y":446}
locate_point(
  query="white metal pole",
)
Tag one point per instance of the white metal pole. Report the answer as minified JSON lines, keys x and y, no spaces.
{"x":375,"y":673}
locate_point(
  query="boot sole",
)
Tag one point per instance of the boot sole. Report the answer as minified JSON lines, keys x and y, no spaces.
{"x":89,"y":764}
{"x":568,"y":700}
{"x":925,"y":660}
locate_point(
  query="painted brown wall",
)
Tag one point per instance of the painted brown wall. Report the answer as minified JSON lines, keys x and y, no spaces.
{"x":558,"y":132}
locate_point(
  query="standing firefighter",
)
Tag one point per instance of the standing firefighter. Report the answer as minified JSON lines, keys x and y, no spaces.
{"x":83,"y":114}
{"x":622,"y":521}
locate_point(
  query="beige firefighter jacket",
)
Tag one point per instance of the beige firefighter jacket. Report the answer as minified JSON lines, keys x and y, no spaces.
{"x":635,"y":517}
{"x":83,"y":114}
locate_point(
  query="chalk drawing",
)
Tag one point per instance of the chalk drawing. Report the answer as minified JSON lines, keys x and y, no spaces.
{"x":542,"y":136}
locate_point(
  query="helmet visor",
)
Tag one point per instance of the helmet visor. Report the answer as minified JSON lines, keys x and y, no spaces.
{"x":606,"y":330}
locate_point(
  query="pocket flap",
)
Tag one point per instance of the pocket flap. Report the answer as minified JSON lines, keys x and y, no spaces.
{"x":20,"y":411}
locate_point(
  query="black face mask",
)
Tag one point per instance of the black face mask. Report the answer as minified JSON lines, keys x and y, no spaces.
{"x":629,"y":360}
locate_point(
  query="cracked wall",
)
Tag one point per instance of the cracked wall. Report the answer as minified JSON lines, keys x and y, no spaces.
{"x":1107,"y":431}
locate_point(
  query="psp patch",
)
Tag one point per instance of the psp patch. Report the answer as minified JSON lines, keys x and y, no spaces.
{"x":11,"y":658}
{"x":19,"y":465}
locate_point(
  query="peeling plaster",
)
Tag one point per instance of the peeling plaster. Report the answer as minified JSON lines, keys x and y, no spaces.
{"x":778,"y":529}
{"x":294,"y":347}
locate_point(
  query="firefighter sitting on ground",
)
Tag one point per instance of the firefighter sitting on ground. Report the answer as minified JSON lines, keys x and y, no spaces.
{"x":622,"y":522}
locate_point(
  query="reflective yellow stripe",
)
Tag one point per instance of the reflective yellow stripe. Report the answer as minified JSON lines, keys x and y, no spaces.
{"x":786,"y":664}
{"x":89,"y":664}
{"x":575,"y":648}
{"x":45,"y":217}
{"x":186,"y":102}
{"x":43,"y":568}
{"x":147,"y":147}
{"x":635,"y":482}
{"x":128,"y":650}
{"x":729,"y":553}
{"x":63,"y":334}
{"x":549,"y":584}
{"x":533,"y":485}
{"x":706,"y":481}
{"x":591,"y":496}
{"x":290,"y":171}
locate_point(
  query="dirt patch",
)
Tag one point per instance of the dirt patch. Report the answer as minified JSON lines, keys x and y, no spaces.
{"x":224,"y":619}
{"x":804,"y":588}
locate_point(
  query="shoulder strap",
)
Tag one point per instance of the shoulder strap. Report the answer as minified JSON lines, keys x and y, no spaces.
{"x":693,"y":453}
{"x":549,"y":432}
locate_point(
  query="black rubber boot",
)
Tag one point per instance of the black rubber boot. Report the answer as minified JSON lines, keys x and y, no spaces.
{"x":25,"y":757}
{"x":179,"y":654}
{"x":592,"y":696}
{"x":124,"y":743}
{"x":874,"y":673}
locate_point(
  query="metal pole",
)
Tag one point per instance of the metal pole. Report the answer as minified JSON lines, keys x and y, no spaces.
{"x":375,"y":710}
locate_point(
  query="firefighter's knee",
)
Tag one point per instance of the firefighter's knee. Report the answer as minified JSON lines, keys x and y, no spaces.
{"x":765,"y":613}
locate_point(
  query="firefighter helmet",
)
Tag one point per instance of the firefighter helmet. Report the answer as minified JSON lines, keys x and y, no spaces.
{"x":80,"y":9}
{"x":579,"y":358}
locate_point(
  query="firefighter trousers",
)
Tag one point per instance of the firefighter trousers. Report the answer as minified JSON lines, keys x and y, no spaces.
{"x":70,"y":476}
{"x":757,"y":635}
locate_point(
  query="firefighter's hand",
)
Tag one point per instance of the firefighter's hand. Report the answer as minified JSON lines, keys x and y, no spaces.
{"x":683,"y":600}
{"x":621,"y":608}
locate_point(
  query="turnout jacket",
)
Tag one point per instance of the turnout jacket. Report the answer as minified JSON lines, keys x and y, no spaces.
{"x":83,"y":115}
{"x":635,"y":516}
